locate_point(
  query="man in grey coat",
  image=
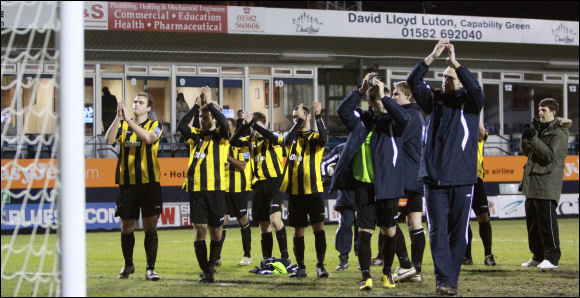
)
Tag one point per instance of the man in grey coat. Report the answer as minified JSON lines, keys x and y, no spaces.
{"x":545,"y":142}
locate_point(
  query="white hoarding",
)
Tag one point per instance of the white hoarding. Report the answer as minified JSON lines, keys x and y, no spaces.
{"x":309,"y":22}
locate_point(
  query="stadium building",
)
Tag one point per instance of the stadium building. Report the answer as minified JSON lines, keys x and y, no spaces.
{"x":270,"y":59}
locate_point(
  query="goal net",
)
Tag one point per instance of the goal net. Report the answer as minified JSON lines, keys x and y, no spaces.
{"x":37,"y":116}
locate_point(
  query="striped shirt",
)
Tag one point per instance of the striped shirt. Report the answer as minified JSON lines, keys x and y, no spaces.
{"x":303,"y":174}
{"x":208,"y":153}
{"x":480,"y":171}
{"x":239,"y":181}
{"x":137,"y":163}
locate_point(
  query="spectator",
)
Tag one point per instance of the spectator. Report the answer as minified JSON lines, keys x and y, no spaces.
{"x":545,"y":143}
{"x":108,"y":107}
{"x":181,"y":107}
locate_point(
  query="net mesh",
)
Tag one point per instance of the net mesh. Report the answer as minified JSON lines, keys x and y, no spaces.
{"x":29,"y":149}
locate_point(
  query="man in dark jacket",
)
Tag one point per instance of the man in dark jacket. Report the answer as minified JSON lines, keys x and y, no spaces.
{"x":411,"y":204}
{"x":449,"y":166}
{"x":371,"y":165}
{"x":546,"y":145}
{"x":345,"y":206}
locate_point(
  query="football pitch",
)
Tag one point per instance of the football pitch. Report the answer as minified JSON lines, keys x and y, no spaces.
{"x":179,"y":271}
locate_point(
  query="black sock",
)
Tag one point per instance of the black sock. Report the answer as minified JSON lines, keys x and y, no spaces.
{"x":282,"y":243}
{"x":247,"y":240}
{"x":127,"y":245}
{"x":215,"y":251}
{"x":201,"y":255}
{"x":299,"y":251}
{"x":401,"y":250}
{"x":381,"y":245}
{"x":364,"y":252}
{"x":485,"y":234}
{"x":417,"y":248}
{"x":267,"y":244}
{"x":320,"y":244}
{"x":389,"y":253}
{"x":223,"y":235}
{"x":469,"y":236}
{"x":219,"y":256}
{"x":151,"y":243}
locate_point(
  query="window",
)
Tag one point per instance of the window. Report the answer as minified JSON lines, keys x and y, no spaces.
{"x":9,"y":104}
{"x":491,"y":108}
{"x":520,"y":102}
{"x":39,"y":103}
{"x":159,"y":88}
{"x":89,"y":108}
{"x":573,"y":107}
{"x":288,"y":93}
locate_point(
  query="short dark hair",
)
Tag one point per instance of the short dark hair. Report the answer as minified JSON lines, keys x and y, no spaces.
{"x":258,"y":116}
{"x":551,"y":103}
{"x":148,"y":96}
{"x":306,"y":109}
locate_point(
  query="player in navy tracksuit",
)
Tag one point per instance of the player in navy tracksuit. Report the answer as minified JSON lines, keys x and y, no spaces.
{"x":449,"y":166}
{"x":371,"y":165}
{"x":345,"y":206}
{"x":411,"y":205}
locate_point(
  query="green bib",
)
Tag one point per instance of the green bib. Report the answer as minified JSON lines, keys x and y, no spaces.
{"x":362,"y":168}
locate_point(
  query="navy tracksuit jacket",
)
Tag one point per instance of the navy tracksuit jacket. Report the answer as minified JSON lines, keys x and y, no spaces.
{"x":386,"y":147}
{"x":412,"y":148}
{"x":449,"y":166}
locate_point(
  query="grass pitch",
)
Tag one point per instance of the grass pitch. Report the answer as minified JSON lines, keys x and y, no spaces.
{"x":179,"y":271}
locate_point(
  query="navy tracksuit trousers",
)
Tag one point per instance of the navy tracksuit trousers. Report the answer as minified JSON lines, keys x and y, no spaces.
{"x":343,"y":241}
{"x":447,"y":217}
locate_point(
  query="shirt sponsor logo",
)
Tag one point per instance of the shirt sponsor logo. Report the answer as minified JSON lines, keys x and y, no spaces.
{"x":295,"y":157}
{"x":129,"y":144}
{"x":199,"y":155}
{"x":260,"y":158}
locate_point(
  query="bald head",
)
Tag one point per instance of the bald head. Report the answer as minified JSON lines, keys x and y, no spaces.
{"x":450,"y":81}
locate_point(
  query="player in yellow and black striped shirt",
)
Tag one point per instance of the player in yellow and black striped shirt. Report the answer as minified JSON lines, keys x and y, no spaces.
{"x":266,"y":156}
{"x":138,"y":178}
{"x":303,"y":181}
{"x":206,"y":178}
{"x":480,"y":207}
{"x":239,"y":172}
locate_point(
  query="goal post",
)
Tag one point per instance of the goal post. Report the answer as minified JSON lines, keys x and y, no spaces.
{"x":43,"y":159}
{"x":71,"y":155}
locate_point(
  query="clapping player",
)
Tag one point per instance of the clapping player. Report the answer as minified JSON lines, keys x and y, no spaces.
{"x":266,"y":155}
{"x":371,"y":166}
{"x":206,"y":179}
{"x":449,"y":164}
{"x":303,"y":182}
{"x":138,"y":177}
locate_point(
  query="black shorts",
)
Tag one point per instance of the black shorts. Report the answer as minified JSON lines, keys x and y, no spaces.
{"x":479,"y":204}
{"x":303,"y":207}
{"x":139,"y":197}
{"x":412,"y":202}
{"x":237,"y":203}
{"x":267,"y":199}
{"x":369,"y":211}
{"x":207,"y":207}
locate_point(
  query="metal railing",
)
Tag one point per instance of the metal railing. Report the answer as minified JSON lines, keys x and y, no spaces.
{"x":10,"y":148}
